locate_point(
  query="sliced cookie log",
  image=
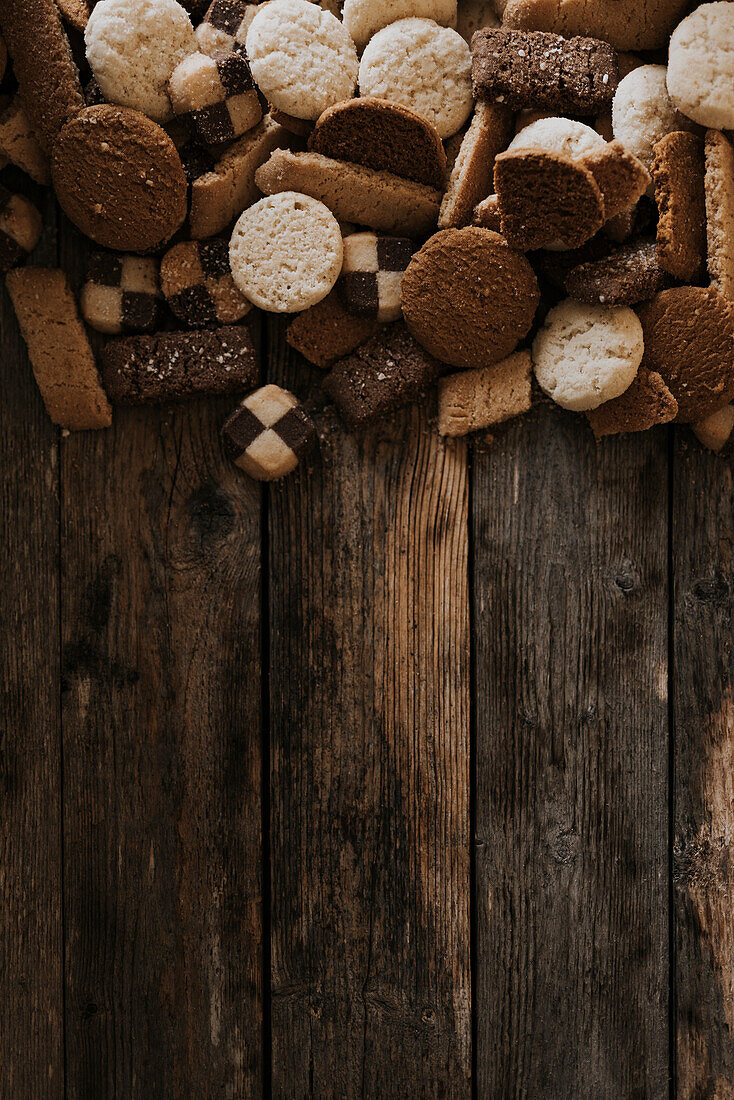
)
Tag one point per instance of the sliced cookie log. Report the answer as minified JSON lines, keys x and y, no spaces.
{"x":689,"y":340}
{"x":546,"y":200}
{"x":476,"y":399}
{"x":622,"y":178}
{"x":645,"y":404}
{"x":719,"y":182}
{"x":626,"y":24}
{"x":570,"y":76}
{"x":327,"y":332}
{"x":468,"y":297}
{"x":716,"y":431}
{"x":269,"y":434}
{"x":382,"y":135}
{"x":472,"y":176}
{"x":20,"y":228}
{"x":197,"y":284}
{"x":626,"y":277}
{"x":678,"y":172}
{"x":19,"y":144}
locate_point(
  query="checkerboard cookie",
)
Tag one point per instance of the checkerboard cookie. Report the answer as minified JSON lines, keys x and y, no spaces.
{"x":225,"y":26}
{"x":269,"y":434}
{"x":327,"y":331}
{"x":121,"y":293}
{"x":646,"y":403}
{"x":719,"y":185}
{"x":472,"y":176}
{"x":371,"y":275}
{"x":678,"y":171}
{"x":217,"y":94}
{"x":716,"y":431}
{"x":197,"y":284}
{"x":20,"y":228}
{"x":477,"y":399}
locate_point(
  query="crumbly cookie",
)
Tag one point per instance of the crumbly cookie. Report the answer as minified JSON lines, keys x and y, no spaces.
{"x":627,"y":24}
{"x":469,"y":298}
{"x":701,"y":66}
{"x":487,"y":214}
{"x":121,"y":293}
{"x":472,"y":176}
{"x":423,"y":66}
{"x":382,"y":135}
{"x":133,"y":46}
{"x":622,"y":178}
{"x":75,"y":12}
{"x":19,"y":144}
{"x":643,"y":112}
{"x":372,"y":274}
{"x":217,"y":95}
{"x":197,"y":284}
{"x":269,"y":434}
{"x":473,"y":15}
{"x":678,"y":171}
{"x":20,"y":228}
{"x":286,"y":252}
{"x":119,"y":178}
{"x":327,"y":332}
{"x":302,"y":57}
{"x":625,"y":277}
{"x":719,"y":183}
{"x":716,"y":431}
{"x":646,"y":403}
{"x":564,"y":136}
{"x":225,"y":25}
{"x":476,"y":399}
{"x":364,"y":18}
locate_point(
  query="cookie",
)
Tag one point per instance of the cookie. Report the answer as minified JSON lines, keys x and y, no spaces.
{"x":217,"y":94}
{"x":75,"y":12}
{"x":384,"y":136}
{"x":372,"y":274}
{"x":701,"y":66}
{"x":643,"y":405}
{"x":569,"y":76}
{"x":286,"y":252}
{"x":121,"y":293}
{"x":473,"y":15}
{"x":719,"y":182}
{"x":476,"y":399}
{"x":225,"y":25}
{"x":626,"y":24}
{"x":678,"y":171}
{"x":689,"y":340}
{"x":19,"y":144}
{"x":585,"y":355}
{"x":327,"y":332}
{"x":302,"y":57}
{"x":487,"y":214}
{"x":564,"y":136}
{"x":353,"y":193}
{"x":301,"y":127}
{"x":643,"y":112}
{"x":364,"y":18}
{"x":133,"y":46}
{"x":388,"y":372}
{"x":58,"y":348}
{"x":269,"y":434}
{"x":423,"y":66}
{"x":621,"y":177}
{"x":468,"y":298}
{"x":197,"y":284}
{"x":119,"y":178}
{"x":174,"y":366}
{"x":472,"y":176}
{"x":627,"y":276}
{"x":20,"y":228}
{"x":196,"y":159}
{"x":716,"y":431}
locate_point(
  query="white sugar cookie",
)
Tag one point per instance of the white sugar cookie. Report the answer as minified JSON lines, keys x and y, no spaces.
{"x":643,"y":112}
{"x":701,"y":66}
{"x":558,"y":135}
{"x":364,"y":18}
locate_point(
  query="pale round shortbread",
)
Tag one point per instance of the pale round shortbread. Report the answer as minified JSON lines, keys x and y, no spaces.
{"x":364,"y":18}
{"x":643,"y":112}
{"x":302,"y":58}
{"x":701,"y":66}
{"x":421,"y":65}
{"x":286,"y":252}
{"x":585,"y":355}
{"x":133,"y":46}
{"x":558,"y":135}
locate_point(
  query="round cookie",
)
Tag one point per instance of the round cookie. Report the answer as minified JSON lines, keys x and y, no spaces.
{"x":585,"y":355}
{"x":423,"y":66}
{"x":562,"y":136}
{"x":701,"y":66}
{"x":627,"y":24}
{"x":286,"y":252}
{"x":643,"y":112}
{"x":468,"y":298}
{"x":364,"y":18}
{"x":119,"y":178}
{"x":133,"y":46}
{"x":301,"y":57}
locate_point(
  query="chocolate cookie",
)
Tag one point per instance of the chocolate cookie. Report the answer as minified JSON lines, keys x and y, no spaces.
{"x":678,"y":171}
{"x":327,"y":332}
{"x":645,"y":403}
{"x":622,"y":178}
{"x":627,"y":276}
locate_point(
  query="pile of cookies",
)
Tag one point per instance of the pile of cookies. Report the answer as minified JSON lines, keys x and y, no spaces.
{"x":486,"y":199}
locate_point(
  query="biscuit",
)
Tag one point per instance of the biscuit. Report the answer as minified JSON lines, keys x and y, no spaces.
{"x":269,"y":434}
{"x":364,"y":18}
{"x":585,"y":355}
{"x":423,"y":66}
{"x":643,"y":112}
{"x":476,"y":399}
{"x":119,"y":178}
{"x":468,"y":298}
{"x":19,"y":144}
{"x":58,"y":348}
{"x":626,"y":24}
{"x":372,"y":274}
{"x":217,"y":94}
{"x":701,"y":66}
{"x":487,"y":214}
{"x":121,"y":293}
{"x":388,"y":372}
{"x":225,"y":25}
{"x":643,"y":405}
{"x":720,"y":212}
{"x":302,"y":57}
{"x":353,"y":193}
{"x":197,"y":284}
{"x":472,"y":176}
{"x":689,"y":340}
{"x":716,"y":431}
{"x":627,"y":276}
{"x":327,"y":332}
{"x":570,"y":76}
{"x":622,"y":178}
{"x":175,"y":366}
{"x":473,"y":15}
{"x":678,"y":171}
{"x":384,"y":136}
{"x":286,"y":252}
{"x":133,"y":46}
{"x":564,"y":136}
{"x":20,"y":228}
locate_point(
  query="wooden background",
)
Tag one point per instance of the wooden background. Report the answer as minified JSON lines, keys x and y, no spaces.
{"x":412,"y":776}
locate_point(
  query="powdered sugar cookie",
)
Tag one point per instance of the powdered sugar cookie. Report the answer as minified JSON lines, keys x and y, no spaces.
{"x":643,"y":112}
{"x":701,"y":66}
{"x":364,"y":18}
{"x":558,"y":135}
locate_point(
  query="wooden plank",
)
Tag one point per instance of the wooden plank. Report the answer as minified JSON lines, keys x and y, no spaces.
{"x":161,"y":719}
{"x":570,"y":618}
{"x":703,"y":537}
{"x":31,"y":939}
{"x":370,"y":764}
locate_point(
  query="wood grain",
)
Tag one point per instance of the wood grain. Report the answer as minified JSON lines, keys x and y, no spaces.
{"x":570,"y":628}
{"x":703,"y":881}
{"x":370,"y":764}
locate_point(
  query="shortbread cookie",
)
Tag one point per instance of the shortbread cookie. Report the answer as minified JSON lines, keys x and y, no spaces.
{"x":487,"y":214}
{"x":585,"y":355}
{"x":119,"y":178}
{"x":643,"y":405}
{"x":468,"y":298}
{"x":678,"y":170}
{"x":133,"y":46}
{"x":354,"y":193}
{"x":19,"y":144}
{"x":372,"y":274}
{"x":286,"y":252}
{"x":380,"y":377}
{"x":121,"y":293}
{"x":563,"y":136}
{"x":301,"y":127}
{"x":197,"y":283}
{"x":570,"y":76}
{"x":720,"y":211}
{"x":327,"y":332}
{"x":701,"y":66}
{"x":384,"y":136}
{"x":627,"y":276}
{"x":76,"y":12}
{"x":643,"y":112}
{"x":364,"y":18}
{"x":225,"y":26}
{"x":473,"y":15}
{"x":217,"y":94}
{"x":476,"y":399}
{"x":622,"y":178}
{"x":716,"y":431}
{"x":302,"y":57}
{"x":58,"y":348}
{"x":20,"y":228}
{"x":423,"y":66}
{"x":689,"y":340}
{"x":472,"y":176}
{"x":626,"y":24}
{"x":174,"y":366}
{"x":269,"y":434}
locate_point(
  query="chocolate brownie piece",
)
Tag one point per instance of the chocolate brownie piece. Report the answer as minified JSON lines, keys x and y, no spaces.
{"x":627,"y":276}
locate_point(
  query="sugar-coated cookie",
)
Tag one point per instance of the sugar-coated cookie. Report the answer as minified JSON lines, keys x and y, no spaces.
{"x":475,"y":399}
{"x":364,"y":18}
{"x":472,"y":176}
{"x":546,"y":200}
{"x":372,"y":274}
{"x":423,"y":66}
{"x":217,"y":94}
{"x":585,"y":355}
{"x":121,"y":293}
{"x":20,"y":228}
{"x":678,"y":171}
{"x":701,"y":66}
{"x":628,"y":275}
{"x":327,"y":331}
{"x":719,"y":186}
{"x":643,"y":112}
{"x":643,"y":405}
{"x":269,"y":434}
{"x":197,"y":284}
{"x":716,"y":431}
{"x":564,"y":136}
{"x":626,"y":24}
